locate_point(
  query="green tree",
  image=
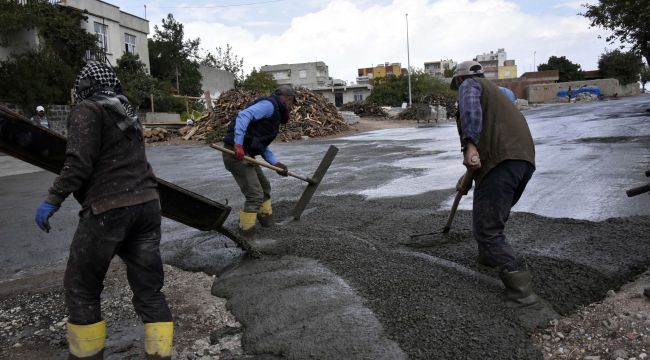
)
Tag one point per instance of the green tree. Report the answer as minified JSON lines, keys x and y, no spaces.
{"x":568,"y":70}
{"x":628,"y":20}
{"x":258,"y":81}
{"x":393,"y":90}
{"x":136,"y":83}
{"x":645,"y":76}
{"x":44,"y":75}
{"x":226,"y":60}
{"x":35,"y":78}
{"x":624,"y":66}
{"x":171,"y":57}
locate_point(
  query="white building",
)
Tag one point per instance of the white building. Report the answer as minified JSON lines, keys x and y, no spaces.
{"x":117,"y":32}
{"x":339,"y":94}
{"x":311,"y":75}
{"x":491,"y":62}
{"x":437,"y":68}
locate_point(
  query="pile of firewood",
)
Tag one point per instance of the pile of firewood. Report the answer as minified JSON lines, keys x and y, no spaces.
{"x":416,"y":112}
{"x":312,"y":115}
{"x":448,"y":102}
{"x":156,"y":134}
{"x":364,"y":109}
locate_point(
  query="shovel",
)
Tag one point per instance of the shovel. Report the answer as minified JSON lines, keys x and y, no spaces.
{"x":465,"y":184}
{"x":312,"y":182}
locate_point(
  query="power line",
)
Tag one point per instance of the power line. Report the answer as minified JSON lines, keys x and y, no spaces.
{"x":217,"y":6}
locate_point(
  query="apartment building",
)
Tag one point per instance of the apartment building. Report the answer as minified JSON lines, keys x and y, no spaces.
{"x":496,"y":65}
{"x":438,"y":68}
{"x":366,"y":75}
{"x":117,"y":32}
{"x":312,"y":75}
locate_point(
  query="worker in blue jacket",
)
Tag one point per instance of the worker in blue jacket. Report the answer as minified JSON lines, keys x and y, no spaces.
{"x":251,"y":133}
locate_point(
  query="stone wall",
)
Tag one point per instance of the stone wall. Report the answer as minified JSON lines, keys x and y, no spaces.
{"x":545,"y":93}
{"x":57,"y":114}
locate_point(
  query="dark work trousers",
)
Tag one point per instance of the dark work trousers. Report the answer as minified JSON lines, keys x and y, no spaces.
{"x":133,"y":234}
{"x":251,"y":180}
{"x":497,"y":193}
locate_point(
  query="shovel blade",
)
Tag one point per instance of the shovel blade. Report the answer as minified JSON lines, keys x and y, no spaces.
{"x":318,"y":176}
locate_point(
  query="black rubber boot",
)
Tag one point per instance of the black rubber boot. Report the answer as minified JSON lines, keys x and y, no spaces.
{"x":519,"y":288}
{"x":483,"y":260}
{"x":646,"y":292}
{"x":265,"y":220}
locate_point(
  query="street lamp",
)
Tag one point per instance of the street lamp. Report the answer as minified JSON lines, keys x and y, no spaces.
{"x":408,"y":58}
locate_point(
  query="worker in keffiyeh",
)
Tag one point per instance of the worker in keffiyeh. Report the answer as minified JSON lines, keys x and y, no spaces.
{"x":107,"y":171}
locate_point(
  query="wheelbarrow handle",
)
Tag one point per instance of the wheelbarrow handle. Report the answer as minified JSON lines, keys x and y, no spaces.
{"x":638,"y":190}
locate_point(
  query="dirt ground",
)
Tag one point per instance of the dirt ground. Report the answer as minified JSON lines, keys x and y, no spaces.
{"x":32,"y":315}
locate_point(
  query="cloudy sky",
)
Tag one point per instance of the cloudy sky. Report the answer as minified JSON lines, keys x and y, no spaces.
{"x":348,"y":34}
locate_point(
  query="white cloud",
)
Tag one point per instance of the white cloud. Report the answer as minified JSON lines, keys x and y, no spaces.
{"x":348,"y":35}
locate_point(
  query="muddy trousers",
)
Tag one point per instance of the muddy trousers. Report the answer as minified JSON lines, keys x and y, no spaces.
{"x":251,"y":180}
{"x":133,"y":234}
{"x":497,"y":193}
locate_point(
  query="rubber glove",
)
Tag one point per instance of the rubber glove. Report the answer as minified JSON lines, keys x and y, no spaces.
{"x":285,"y":171}
{"x":43,"y":215}
{"x":239,"y":152}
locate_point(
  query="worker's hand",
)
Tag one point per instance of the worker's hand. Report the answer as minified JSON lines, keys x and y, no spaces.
{"x":285,"y":171}
{"x":472,"y":159}
{"x":459,"y":186}
{"x":43,"y":215}
{"x":239,"y":152}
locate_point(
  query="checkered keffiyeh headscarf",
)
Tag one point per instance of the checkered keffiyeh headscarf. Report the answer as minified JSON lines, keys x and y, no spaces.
{"x":100,"y":78}
{"x":96,"y":77}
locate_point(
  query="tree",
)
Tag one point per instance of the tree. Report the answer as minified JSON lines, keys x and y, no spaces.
{"x":645,"y":76}
{"x":35,"y":78}
{"x":171,"y":57}
{"x":393,"y":90}
{"x":629,"y":20}
{"x":44,"y":75}
{"x":226,"y":60}
{"x":258,"y":81}
{"x":568,"y":70}
{"x":624,"y":66}
{"x":136,"y":83}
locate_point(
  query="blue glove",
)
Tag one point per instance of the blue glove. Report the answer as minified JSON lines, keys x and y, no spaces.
{"x":43,"y":214}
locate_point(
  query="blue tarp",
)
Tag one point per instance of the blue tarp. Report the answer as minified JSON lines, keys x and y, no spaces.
{"x":585,"y":89}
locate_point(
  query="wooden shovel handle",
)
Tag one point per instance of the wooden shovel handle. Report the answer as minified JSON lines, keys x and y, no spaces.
{"x":467,"y":181}
{"x":262,"y":163}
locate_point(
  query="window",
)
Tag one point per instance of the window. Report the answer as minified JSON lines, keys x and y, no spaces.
{"x":129,"y":43}
{"x":101,"y":31}
{"x":358,"y":97}
{"x":303,"y":74}
{"x":283,"y":75}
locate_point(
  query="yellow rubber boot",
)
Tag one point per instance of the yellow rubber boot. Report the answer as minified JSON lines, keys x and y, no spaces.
{"x":247,"y":223}
{"x":158,"y":338}
{"x":264,"y":214}
{"x":87,"y":341}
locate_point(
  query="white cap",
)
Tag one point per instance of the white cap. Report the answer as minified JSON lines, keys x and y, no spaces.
{"x":40,"y":108}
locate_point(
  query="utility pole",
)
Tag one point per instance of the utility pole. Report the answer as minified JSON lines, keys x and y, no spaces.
{"x":408,"y":57}
{"x":178,"y":86}
{"x":145,"y":11}
{"x":534,"y":65}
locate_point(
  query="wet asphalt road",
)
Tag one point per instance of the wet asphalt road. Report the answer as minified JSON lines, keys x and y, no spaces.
{"x":346,"y":281}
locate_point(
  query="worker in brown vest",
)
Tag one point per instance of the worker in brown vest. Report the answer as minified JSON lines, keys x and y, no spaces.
{"x":499,"y":151}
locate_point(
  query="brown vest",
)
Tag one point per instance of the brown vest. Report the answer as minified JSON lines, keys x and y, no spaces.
{"x":504,"y":135}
